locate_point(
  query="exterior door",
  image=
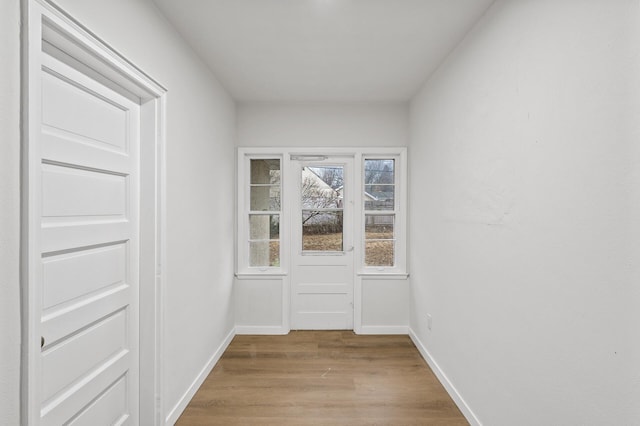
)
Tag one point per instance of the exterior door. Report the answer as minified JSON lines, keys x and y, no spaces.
{"x":322,"y":246}
{"x":88,"y":246}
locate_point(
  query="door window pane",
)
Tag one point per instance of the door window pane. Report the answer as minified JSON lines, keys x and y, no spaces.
{"x":322,"y":230}
{"x":321,"y":187}
{"x":321,"y":195}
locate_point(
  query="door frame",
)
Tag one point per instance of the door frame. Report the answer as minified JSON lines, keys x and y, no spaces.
{"x":47,"y":27}
{"x":278,"y":279}
{"x":297,"y":163}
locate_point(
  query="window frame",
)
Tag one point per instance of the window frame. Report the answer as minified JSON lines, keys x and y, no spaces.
{"x":399,"y":214}
{"x":245,"y":213}
{"x":299,"y":245}
{"x":287,"y":201}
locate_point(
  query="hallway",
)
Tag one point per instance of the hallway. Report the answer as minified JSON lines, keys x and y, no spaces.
{"x":321,"y":378}
{"x":492,"y":221}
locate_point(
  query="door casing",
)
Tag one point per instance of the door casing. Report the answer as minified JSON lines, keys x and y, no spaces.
{"x":47,"y":27}
{"x":324,"y":265}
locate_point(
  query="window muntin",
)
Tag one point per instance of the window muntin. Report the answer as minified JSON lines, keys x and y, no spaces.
{"x":380,"y":212}
{"x":321,"y":200}
{"x":264,"y":212}
{"x":262,"y":252}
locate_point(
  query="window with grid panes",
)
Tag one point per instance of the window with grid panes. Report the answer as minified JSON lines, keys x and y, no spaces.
{"x":380,"y":212}
{"x":265,"y":208}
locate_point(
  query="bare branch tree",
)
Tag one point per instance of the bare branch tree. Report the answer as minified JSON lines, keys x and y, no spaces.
{"x":315,"y":196}
{"x":332,"y":176}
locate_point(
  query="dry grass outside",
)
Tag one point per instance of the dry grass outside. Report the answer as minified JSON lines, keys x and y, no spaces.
{"x":274,"y":253}
{"x":377,"y":253}
{"x":379,"y":247}
{"x":322,"y":242}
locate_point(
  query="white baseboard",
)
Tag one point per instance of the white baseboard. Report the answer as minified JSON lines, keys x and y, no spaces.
{"x":276,"y":330}
{"x":259,"y":329}
{"x":449,"y":387}
{"x":383,"y":329}
{"x":177,"y":410}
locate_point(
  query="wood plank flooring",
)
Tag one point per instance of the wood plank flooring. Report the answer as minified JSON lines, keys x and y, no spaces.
{"x":321,"y":378}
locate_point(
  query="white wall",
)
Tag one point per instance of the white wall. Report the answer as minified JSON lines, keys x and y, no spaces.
{"x":308,"y":125}
{"x":525,"y":214}
{"x":385,"y":305}
{"x":260,"y":306}
{"x":318,"y":125}
{"x":9,"y":212}
{"x":200,"y":170}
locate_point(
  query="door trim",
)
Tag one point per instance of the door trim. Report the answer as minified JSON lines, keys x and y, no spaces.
{"x":296,"y":253}
{"x":47,"y":26}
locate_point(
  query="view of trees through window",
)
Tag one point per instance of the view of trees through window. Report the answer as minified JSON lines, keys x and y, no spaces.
{"x":379,"y":212}
{"x":322,"y":189}
{"x":322,"y":208}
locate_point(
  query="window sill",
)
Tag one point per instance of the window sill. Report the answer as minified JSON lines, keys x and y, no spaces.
{"x":384,"y":275}
{"x":260,"y":275}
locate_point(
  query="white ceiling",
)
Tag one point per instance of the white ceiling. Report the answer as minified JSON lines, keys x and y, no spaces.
{"x":322,"y":50}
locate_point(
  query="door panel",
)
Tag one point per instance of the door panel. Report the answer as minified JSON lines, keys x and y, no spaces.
{"x":82,"y":110}
{"x":322,"y":246}
{"x":89,"y":250}
{"x":82,"y":194}
{"x":61,"y":365}
{"x":66,"y":236}
{"x":80,"y":395}
{"x":68,"y":148}
{"x":61,"y":322}
{"x":70,"y":276}
{"x":110,"y":406}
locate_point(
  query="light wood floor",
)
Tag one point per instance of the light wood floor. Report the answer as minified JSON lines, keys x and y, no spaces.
{"x":321,"y":378}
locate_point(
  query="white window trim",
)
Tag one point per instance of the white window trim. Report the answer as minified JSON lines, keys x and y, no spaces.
{"x":244,"y":204}
{"x":399,"y":212}
{"x":245,"y":154}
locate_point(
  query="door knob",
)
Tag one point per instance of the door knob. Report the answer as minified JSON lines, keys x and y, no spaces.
{"x":41,"y":342}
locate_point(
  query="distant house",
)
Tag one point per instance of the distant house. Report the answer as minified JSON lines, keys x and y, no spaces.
{"x":318,"y":200}
{"x":316,"y":193}
{"x":376,"y":199}
{"x":367,"y":197}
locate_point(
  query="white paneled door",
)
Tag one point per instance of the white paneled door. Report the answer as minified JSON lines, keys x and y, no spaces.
{"x":322,"y":246}
{"x":88,"y":200}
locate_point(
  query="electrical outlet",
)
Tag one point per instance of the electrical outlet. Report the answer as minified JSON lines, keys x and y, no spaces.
{"x":429,"y":322}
